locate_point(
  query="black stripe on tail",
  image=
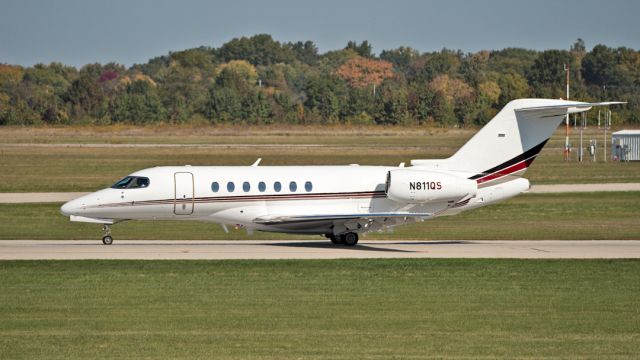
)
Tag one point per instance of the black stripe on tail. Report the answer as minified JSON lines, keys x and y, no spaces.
{"x":524,"y":156}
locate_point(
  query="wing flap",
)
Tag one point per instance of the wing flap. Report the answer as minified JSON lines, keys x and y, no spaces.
{"x":290,"y":219}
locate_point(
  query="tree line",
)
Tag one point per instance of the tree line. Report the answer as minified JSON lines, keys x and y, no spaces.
{"x":258,"y":80}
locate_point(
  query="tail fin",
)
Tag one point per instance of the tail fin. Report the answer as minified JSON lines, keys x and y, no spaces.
{"x":510,"y":142}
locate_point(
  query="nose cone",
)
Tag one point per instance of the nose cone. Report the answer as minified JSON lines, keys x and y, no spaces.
{"x":70,"y":208}
{"x":67,"y":208}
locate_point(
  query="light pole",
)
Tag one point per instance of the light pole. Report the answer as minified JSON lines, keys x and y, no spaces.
{"x":583,"y":125}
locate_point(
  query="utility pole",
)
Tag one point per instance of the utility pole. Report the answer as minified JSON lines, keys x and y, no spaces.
{"x":566,"y":133}
{"x":607,"y":124}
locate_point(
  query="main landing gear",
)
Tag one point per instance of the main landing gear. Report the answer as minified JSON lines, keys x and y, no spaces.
{"x":348,"y":239}
{"x":107,"y":239}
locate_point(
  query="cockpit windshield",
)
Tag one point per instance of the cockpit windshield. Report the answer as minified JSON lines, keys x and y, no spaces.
{"x":131,"y":182}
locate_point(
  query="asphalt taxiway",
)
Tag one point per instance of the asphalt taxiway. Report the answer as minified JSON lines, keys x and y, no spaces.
{"x":315,"y":249}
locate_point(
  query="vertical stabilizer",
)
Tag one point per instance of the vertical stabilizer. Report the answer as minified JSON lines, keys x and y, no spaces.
{"x":510,"y":142}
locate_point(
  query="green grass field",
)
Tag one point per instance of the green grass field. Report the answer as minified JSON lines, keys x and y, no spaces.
{"x":583,"y":216}
{"x":342,"y":309}
{"x":73,"y":168}
{"x":338,"y":309}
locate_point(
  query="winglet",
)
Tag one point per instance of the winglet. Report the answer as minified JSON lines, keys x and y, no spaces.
{"x":257,"y":162}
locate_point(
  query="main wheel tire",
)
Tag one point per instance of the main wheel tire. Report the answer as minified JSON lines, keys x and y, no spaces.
{"x":335,"y":239}
{"x":107,"y":240}
{"x":350,"y":239}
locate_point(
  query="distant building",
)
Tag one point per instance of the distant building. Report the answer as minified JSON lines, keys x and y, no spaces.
{"x":625,"y":145}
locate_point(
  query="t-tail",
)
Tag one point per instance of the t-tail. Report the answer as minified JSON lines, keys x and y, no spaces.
{"x":509,"y":143}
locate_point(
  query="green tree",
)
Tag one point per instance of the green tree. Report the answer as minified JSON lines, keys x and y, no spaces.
{"x":420,"y":100}
{"x":224,"y":104}
{"x":445,"y":62}
{"x":363,"y":49}
{"x":603,"y":66}
{"x":392,"y":105}
{"x":306,"y":52}
{"x":183,"y":92}
{"x":138,"y":104}
{"x":325,"y":96}
{"x":512,"y":86}
{"x":401,"y":58}
{"x":547,"y":74}
{"x":512,"y":60}
{"x":258,"y":50}
{"x":86,"y":97}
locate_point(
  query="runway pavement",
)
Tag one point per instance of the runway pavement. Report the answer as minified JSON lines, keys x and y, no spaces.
{"x":572,"y":188}
{"x":320,"y":249}
{"x":38,"y":197}
{"x":53,"y":197}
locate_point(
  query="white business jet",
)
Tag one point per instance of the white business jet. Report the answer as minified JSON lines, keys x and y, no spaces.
{"x":339,"y":202}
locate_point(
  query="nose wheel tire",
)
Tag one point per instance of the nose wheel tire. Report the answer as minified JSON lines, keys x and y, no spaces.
{"x":350,"y":239}
{"x":107,"y":240}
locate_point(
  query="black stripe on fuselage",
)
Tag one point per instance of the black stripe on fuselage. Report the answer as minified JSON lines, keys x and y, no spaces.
{"x":522,"y":157}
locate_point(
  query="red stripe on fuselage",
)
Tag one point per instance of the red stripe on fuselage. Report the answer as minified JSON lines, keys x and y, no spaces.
{"x":247,"y":198}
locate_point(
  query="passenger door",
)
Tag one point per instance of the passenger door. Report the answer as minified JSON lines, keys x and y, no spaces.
{"x":183,"y":201}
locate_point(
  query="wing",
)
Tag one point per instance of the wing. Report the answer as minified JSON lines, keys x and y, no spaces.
{"x":326,"y":222}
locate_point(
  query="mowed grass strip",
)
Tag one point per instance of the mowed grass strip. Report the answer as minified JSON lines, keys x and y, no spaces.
{"x":571,"y":216}
{"x":239,"y":134}
{"x":341,"y":309}
{"x":90,"y":169}
{"x":74,"y":168}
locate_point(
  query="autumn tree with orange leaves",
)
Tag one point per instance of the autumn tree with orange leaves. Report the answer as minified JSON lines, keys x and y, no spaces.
{"x":360,"y":72}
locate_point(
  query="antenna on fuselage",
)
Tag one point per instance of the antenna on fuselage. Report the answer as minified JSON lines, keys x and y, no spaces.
{"x":257,"y":162}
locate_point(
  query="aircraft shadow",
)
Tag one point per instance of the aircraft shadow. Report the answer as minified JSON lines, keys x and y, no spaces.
{"x":442,"y":242}
{"x":298,"y":244}
{"x":330,"y":246}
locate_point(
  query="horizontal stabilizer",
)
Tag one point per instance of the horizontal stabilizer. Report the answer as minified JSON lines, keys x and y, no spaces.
{"x":576,"y":107}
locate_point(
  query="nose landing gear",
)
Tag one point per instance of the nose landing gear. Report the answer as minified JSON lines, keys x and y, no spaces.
{"x":107,"y":239}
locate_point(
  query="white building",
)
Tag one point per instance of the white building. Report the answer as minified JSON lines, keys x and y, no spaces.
{"x":625,"y":145}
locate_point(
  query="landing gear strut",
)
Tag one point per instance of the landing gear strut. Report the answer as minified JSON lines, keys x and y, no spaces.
{"x":335,"y":239}
{"x":107,"y":239}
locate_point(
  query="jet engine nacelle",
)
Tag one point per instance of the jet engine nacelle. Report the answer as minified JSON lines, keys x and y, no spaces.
{"x":420,"y":186}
